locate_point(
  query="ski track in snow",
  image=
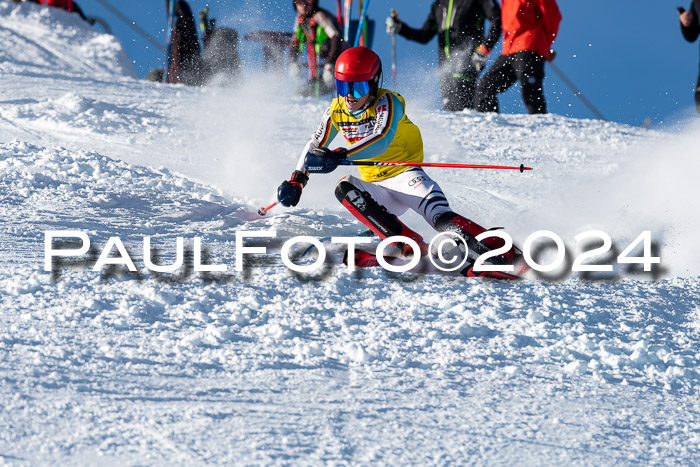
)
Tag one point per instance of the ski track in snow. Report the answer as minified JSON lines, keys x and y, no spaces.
{"x":119,"y":368}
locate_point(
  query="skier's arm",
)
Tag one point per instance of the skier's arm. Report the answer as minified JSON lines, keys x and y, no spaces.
{"x":334,"y":49}
{"x":551,"y":17}
{"x":493,"y":13}
{"x":389,"y":112}
{"x":294,"y":44}
{"x":289,"y":192}
{"x":333,"y":34}
{"x":424,"y":34}
{"x":690,"y":33}
{"x":321,"y":139}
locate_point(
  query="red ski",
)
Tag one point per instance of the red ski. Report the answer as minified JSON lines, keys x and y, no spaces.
{"x":365,"y":259}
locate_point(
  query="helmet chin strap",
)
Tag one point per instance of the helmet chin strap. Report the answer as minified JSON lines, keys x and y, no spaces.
{"x":374,"y":91}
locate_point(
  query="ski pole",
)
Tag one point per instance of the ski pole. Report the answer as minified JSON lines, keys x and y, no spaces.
{"x":521,"y":167}
{"x":339,"y":12}
{"x":577,"y":92}
{"x":346,"y":20}
{"x":126,"y":20}
{"x":263,"y":211}
{"x":317,"y":81}
{"x":360,"y":25}
{"x":169,"y":41}
{"x":393,"y":52}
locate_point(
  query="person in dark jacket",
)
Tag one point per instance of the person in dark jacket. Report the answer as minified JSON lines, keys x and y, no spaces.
{"x":690,"y":27}
{"x":188,"y":64}
{"x":462,"y":44}
{"x":529,"y":30}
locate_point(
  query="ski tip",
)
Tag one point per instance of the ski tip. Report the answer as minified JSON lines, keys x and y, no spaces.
{"x":469,"y":272}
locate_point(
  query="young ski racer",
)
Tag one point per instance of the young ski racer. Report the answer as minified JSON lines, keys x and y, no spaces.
{"x":373,"y":120}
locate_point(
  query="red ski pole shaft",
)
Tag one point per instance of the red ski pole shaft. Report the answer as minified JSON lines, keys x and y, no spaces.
{"x":521,"y":167}
{"x":339,"y":11}
{"x":263,"y":211}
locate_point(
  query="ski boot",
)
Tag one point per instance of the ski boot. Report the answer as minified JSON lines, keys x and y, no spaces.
{"x":468,"y":230}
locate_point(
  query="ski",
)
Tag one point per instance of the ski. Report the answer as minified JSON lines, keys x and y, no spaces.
{"x":365,"y":259}
{"x":469,"y":272}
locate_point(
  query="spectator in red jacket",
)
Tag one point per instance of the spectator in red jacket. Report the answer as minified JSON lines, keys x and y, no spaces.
{"x":529,"y":29}
{"x":690,"y":27}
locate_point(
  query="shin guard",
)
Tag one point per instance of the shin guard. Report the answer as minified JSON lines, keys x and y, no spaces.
{"x":373,"y":215}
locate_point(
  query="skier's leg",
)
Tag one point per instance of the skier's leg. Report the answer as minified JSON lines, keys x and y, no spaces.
{"x":468,"y":93}
{"x":457,"y":92}
{"x":416,"y":190}
{"x":498,"y":79}
{"x":221,"y":55}
{"x":355,"y":195}
{"x":529,"y":68}
{"x":187,"y":45}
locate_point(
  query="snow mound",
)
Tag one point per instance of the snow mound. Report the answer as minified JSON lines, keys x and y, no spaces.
{"x":71,"y":115}
{"x":37,"y":39}
{"x":44,"y":187}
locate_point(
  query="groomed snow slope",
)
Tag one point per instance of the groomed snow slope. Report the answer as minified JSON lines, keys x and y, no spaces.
{"x":263,"y":367}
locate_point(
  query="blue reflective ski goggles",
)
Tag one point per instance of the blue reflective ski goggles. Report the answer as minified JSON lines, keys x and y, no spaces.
{"x":357,"y":88}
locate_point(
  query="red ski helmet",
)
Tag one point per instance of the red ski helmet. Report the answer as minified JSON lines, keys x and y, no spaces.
{"x":358,"y":64}
{"x":357,"y":72}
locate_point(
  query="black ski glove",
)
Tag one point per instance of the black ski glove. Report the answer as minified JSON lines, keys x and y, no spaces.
{"x":289,"y":192}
